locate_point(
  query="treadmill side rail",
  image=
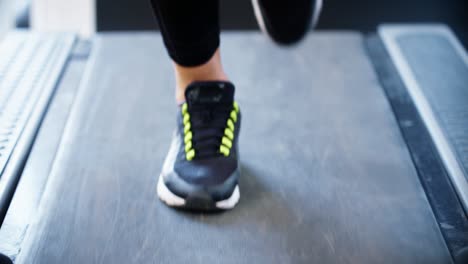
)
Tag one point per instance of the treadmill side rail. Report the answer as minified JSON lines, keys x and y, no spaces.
{"x":434,"y":68}
{"x":30,"y":67}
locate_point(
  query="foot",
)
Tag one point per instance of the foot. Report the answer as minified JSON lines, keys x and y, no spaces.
{"x":286,"y":22}
{"x":202,"y":167}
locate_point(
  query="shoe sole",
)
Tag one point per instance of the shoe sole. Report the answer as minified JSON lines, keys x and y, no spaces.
{"x":195,"y":203}
{"x":261,"y":22}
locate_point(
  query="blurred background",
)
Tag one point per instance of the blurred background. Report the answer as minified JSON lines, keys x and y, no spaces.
{"x":362,"y":15}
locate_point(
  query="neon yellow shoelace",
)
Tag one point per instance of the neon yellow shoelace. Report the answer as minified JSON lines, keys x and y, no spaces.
{"x":226,"y":141}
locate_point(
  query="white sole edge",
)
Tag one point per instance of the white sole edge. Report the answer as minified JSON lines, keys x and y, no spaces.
{"x":317,"y":12}
{"x":258,"y":14}
{"x":173,"y":200}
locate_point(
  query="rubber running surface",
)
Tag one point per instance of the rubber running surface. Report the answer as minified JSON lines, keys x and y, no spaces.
{"x":326,"y":175}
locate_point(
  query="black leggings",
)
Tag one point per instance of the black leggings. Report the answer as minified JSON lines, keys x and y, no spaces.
{"x":190,"y":29}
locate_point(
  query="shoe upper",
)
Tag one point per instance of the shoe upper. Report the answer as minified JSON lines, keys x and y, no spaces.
{"x":286,"y":22}
{"x":204,"y":146}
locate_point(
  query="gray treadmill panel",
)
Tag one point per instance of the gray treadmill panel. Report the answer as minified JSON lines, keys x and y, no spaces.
{"x":434,"y":67}
{"x":30,"y":67}
{"x":443,"y":76}
{"x":326,"y":175}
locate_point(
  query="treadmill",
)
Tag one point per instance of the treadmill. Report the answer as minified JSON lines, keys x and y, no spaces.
{"x":354,"y":149}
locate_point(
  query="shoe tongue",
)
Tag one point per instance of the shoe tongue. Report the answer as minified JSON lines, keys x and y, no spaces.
{"x":212,"y":92}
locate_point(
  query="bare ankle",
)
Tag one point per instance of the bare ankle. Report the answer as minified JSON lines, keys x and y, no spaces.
{"x":210,"y":71}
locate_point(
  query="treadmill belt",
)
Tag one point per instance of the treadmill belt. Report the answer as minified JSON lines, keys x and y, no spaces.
{"x":326,"y":176}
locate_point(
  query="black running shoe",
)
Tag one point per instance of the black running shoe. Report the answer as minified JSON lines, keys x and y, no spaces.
{"x":202,"y":167}
{"x":286,"y":22}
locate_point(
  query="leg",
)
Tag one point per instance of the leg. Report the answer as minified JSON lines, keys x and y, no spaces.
{"x":201,"y":168}
{"x":191,"y":35}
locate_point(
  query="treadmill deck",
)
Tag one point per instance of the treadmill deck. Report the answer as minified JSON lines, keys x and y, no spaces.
{"x":326,"y":176}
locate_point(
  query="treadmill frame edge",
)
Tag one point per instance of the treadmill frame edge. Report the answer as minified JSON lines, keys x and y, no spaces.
{"x":452,"y":221}
{"x":446,"y":151}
